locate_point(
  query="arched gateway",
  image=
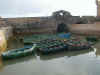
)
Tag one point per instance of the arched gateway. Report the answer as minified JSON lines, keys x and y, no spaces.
{"x":62,"y":18}
{"x":62,"y":28}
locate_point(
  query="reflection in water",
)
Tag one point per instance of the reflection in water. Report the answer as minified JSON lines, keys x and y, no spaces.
{"x":80,"y":63}
{"x":1,"y":64}
{"x":14,"y":43}
{"x":63,"y":54}
{"x":16,"y":61}
{"x":97,"y":46}
{"x":46,"y":57}
{"x":97,"y":52}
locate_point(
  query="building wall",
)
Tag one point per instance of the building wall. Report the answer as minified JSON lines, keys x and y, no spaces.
{"x":2,"y":23}
{"x":32,"y":25}
{"x":48,"y":24}
{"x":86,"y":29}
{"x":38,"y":25}
{"x":98,"y":7}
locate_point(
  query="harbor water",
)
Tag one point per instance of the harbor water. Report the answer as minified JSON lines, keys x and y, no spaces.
{"x":86,"y":62}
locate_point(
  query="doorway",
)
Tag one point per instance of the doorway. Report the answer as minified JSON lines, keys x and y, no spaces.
{"x":62,"y":28}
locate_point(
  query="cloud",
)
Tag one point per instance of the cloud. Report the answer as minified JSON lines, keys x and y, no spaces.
{"x":15,"y":8}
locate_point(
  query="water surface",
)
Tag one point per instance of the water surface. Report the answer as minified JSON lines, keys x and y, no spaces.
{"x":86,"y":62}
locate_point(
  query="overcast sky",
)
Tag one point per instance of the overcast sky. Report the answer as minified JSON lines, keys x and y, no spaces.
{"x":30,"y":8}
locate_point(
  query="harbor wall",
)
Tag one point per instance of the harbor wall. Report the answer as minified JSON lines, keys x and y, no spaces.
{"x":49,"y":24}
{"x":86,"y":29}
{"x":7,"y":31}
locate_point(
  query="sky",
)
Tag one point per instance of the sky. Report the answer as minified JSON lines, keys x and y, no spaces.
{"x":33,"y":8}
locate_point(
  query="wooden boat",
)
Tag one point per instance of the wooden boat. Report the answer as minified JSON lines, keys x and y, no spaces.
{"x":77,"y":45}
{"x":92,"y":39}
{"x":54,"y":45}
{"x":17,"y":53}
{"x":51,"y":46}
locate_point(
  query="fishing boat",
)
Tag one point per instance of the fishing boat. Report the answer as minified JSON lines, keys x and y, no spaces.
{"x":51,"y":46}
{"x":77,"y":45}
{"x":55,"y":45}
{"x":17,"y":53}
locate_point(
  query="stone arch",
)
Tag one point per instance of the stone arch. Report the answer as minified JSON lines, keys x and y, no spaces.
{"x":61,"y":15}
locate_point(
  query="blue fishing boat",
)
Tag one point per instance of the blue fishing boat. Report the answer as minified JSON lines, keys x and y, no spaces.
{"x":17,"y":53}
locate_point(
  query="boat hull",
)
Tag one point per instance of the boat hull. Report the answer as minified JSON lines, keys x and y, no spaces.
{"x":22,"y":52}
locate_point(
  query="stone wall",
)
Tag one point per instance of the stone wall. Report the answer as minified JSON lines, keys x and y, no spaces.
{"x":38,"y":25}
{"x":30,"y":25}
{"x":7,"y":31}
{"x":2,"y":23}
{"x":48,"y":24}
{"x":85,"y":29}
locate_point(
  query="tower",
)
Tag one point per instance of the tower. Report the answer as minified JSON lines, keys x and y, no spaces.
{"x":98,"y":7}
